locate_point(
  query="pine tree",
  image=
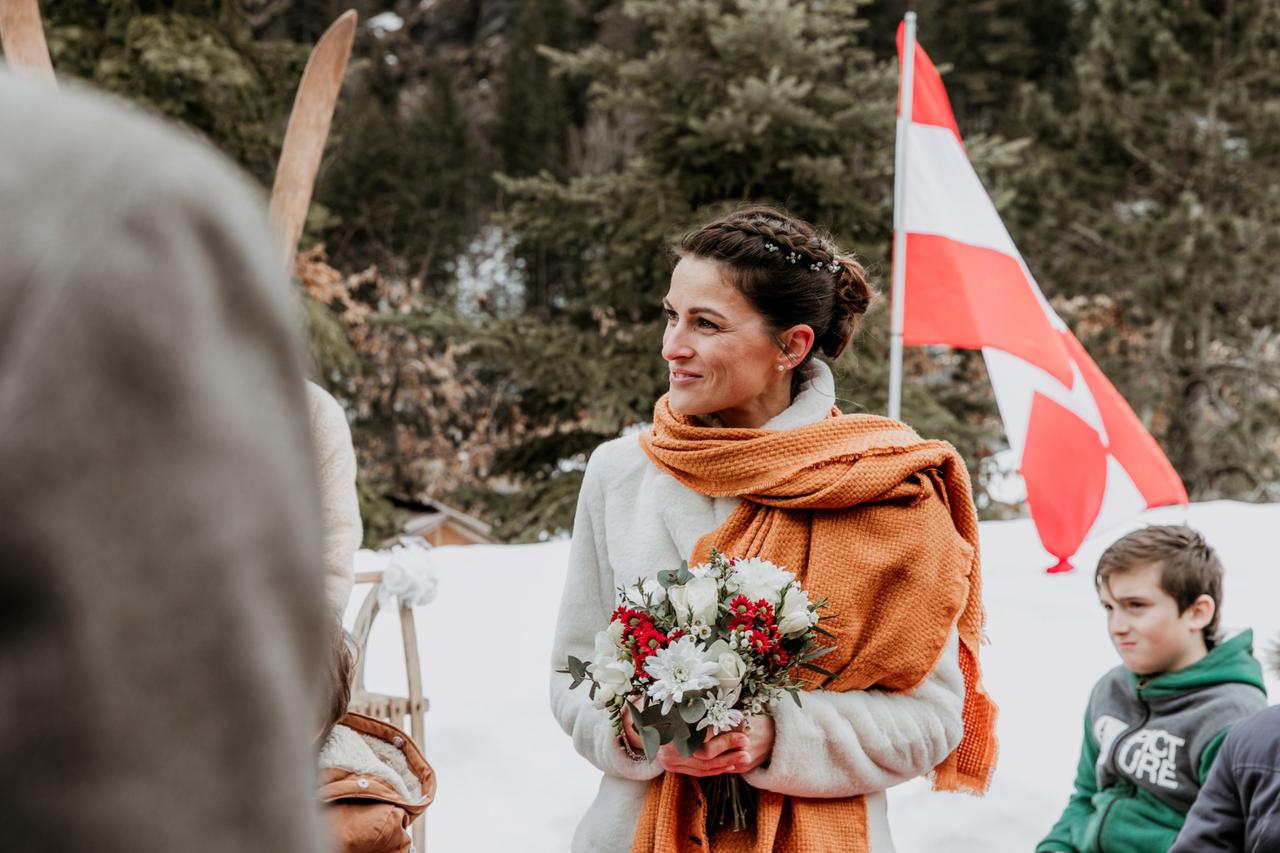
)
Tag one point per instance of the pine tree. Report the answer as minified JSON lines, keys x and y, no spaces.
{"x":1163,"y":209}
{"x":405,"y":187}
{"x":763,"y":100}
{"x":992,"y":52}
{"x":532,"y":128}
{"x":195,"y":63}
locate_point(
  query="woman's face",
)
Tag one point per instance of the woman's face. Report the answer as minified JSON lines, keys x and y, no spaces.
{"x":721,"y":357}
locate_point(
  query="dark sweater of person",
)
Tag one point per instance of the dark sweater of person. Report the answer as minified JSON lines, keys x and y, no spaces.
{"x":1239,"y":806}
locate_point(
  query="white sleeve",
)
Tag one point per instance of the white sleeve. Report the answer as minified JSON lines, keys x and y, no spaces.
{"x":335,"y":461}
{"x":585,"y":607}
{"x":860,"y":741}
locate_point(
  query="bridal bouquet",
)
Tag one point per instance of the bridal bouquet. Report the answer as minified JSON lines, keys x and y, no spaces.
{"x":700,"y":650}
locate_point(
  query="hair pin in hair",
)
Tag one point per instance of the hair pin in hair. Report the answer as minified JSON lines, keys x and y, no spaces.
{"x":770,"y":247}
{"x":815,"y":266}
{"x":833,"y":267}
{"x":792,"y":257}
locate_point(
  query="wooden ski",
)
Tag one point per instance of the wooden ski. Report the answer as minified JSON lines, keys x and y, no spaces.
{"x":307,"y":131}
{"x":22,"y":39}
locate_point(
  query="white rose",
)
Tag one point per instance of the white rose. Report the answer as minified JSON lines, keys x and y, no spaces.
{"x":795,"y":617}
{"x":731,"y":668}
{"x":613,"y":678}
{"x":696,"y":601}
{"x":609,"y":642}
{"x":610,"y":671}
{"x":679,"y":600}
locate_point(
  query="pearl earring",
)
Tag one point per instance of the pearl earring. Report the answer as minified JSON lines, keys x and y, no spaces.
{"x":781,"y":367}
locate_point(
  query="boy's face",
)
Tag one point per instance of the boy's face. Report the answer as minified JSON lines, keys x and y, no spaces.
{"x":1146,"y":628}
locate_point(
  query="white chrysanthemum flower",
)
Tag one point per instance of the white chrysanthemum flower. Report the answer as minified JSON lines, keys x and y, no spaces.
{"x":759,"y":579}
{"x":703,"y":570}
{"x":680,"y":668}
{"x":721,"y":716}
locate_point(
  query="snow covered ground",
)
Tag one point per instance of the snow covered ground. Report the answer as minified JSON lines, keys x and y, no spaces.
{"x":510,"y":780}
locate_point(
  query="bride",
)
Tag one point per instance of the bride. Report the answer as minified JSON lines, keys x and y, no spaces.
{"x":747,"y":455}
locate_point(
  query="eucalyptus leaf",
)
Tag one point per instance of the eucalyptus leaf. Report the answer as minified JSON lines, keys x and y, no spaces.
{"x":819,"y":670}
{"x":651,"y":741}
{"x":816,"y":653}
{"x":650,"y":716}
{"x":683,"y":746}
{"x":693,"y":711}
{"x":578,"y":670}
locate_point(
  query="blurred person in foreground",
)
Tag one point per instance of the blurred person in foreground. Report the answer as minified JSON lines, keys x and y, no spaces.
{"x":1154,"y":724}
{"x":161,"y":612}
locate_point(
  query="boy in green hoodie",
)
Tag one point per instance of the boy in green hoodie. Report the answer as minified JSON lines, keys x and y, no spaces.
{"x":1154,"y":724}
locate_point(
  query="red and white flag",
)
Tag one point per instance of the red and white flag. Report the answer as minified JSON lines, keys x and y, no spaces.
{"x":1087,"y":461}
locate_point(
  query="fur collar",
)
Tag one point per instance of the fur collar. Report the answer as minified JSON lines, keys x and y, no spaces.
{"x":354,"y":752}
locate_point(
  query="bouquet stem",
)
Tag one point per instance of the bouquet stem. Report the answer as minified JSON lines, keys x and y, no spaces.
{"x":730,"y":802}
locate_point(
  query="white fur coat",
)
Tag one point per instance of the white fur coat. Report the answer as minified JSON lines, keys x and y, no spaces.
{"x":633,"y":521}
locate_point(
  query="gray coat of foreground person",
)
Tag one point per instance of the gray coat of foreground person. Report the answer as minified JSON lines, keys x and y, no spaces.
{"x":161,"y":613}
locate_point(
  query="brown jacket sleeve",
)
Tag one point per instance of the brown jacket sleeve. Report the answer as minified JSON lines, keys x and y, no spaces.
{"x":361,"y":826}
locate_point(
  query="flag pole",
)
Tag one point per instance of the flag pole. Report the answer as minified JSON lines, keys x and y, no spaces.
{"x":897,"y":309}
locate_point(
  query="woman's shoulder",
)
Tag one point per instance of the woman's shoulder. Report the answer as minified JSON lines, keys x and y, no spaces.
{"x":617,"y":460}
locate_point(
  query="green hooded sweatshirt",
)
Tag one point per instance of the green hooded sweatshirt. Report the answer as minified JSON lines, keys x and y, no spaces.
{"x":1148,"y":745}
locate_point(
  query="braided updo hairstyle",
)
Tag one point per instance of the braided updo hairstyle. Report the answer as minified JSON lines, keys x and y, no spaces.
{"x":789,"y":272}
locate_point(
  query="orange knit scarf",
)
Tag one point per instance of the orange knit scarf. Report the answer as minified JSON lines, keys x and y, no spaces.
{"x":881,"y":523}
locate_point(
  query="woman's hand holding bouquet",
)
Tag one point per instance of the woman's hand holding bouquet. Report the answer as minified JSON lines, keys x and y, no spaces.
{"x":696,"y":657}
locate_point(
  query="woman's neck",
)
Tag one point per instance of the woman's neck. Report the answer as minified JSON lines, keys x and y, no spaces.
{"x":759,"y":410}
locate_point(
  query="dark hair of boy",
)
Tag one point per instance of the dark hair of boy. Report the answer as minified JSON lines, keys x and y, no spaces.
{"x":337,"y":680}
{"x":1189,"y":567}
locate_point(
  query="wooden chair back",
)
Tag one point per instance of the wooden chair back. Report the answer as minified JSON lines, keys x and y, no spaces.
{"x":393,"y":709}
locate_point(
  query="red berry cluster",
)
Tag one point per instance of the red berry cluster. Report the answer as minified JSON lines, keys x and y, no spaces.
{"x":756,"y":619}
